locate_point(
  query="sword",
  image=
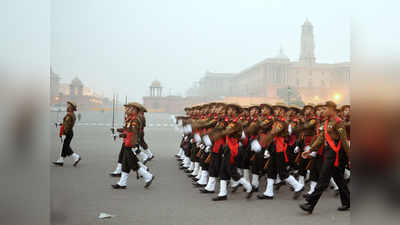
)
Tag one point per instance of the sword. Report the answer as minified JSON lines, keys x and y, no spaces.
{"x":113,"y":119}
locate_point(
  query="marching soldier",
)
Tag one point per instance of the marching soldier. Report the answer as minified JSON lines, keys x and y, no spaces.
{"x":257,"y":130}
{"x":118,"y":169}
{"x":216,"y":147}
{"x":142,"y":142}
{"x":308,"y":131}
{"x":277,"y":155}
{"x":333,"y":135}
{"x":317,"y":157}
{"x":228,"y":169}
{"x":67,"y":131}
{"x":130,"y":134}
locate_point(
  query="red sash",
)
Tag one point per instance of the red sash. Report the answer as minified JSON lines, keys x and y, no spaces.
{"x":233,"y":145}
{"x":292,"y":139}
{"x":217,"y":145}
{"x":245,"y":141}
{"x":61,"y":130}
{"x":281,"y":146}
{"x":128,"y":138}
{"x":332,"y":144}
{"x":307,"y":140}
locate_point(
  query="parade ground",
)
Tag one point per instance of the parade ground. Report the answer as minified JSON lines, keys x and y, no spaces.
{"x":79,"y":194}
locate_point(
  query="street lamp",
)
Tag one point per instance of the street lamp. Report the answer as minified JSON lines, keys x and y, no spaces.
{"x":337,"y":97}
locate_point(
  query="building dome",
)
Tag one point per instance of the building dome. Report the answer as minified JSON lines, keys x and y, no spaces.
{"x":281,"y":55}
{"x":156,"y":83}
{"x":76,"y":82}
{"x":307,"y":23}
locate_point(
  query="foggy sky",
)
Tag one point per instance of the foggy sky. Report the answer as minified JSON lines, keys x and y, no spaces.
{"x":122,"y":45}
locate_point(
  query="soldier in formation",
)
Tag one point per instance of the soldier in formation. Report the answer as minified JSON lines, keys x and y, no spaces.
{"x":237,"y":146}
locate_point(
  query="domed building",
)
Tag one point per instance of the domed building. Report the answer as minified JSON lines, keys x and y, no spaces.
{"x":156,"y":102}
{"x":312,"y":79}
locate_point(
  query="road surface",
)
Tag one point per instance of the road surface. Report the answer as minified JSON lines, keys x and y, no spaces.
{"x":79,"y":194}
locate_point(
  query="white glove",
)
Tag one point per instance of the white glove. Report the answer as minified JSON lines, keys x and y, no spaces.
{"x":188,"y":129}
{"x":202,"y":146}
{"x":266,"y":154}
{"x":296,"y":150}
{"x":307,"y":148}
{"x":313,"y":154}
{"x":243,"y":135}
{"x":207,"y":140}
{"x":290,"y":129}
{"x":134,"y":150}
{"x":197,"y":138}
{"x":255,"y":146}
{"x":207,"y":149}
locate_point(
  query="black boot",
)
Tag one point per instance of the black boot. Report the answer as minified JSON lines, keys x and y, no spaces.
{"x":343,"y":208}
{"x":307,"y":207}
{"x":262,"y":196}
{"x":58,"y":163}
{"x":297,"y":194}
{"x":205,"y":191}
{"x":116,"y":186}
{"x":147,"y":185}
{"x":115,"y":174}
{"x":306,"y":195}
{"x":220,"y":198}
{"x":198,"y":185}
{"x":249,"y":195}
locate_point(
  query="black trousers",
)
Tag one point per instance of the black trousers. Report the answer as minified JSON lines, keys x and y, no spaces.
{"x":142,"y":142}
{"x":303,"y":166}
{"x":328,"y":171}
{"x":292,"y":157}
{"x":243,"y":158}
{"x":204,"y":165}
{"x":193,"y":154}
{"x":215,"y":164}
{"x":66,"y":149}
{"x":121,"y":153}
{"x":247,"y":153}
{"x":277,"y":164}
{"x":316,"y":168}
{"x":129,"y":160}
{"x":227,"y":169}
{"x":258,"y":163}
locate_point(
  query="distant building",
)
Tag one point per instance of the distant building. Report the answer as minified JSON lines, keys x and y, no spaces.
{"x":75,"y":91}
{"x":156,"y":102}
{"x":314,"y":81}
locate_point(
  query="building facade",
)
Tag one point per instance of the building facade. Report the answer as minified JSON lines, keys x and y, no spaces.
{"x":313,"y":81}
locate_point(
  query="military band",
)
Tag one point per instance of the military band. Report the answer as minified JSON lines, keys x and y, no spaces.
{"x":287,"y":145}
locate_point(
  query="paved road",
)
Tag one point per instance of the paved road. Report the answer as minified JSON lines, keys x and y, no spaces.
{"x":79,"y":194}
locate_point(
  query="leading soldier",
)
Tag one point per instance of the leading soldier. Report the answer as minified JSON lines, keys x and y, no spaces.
{"x":67,"y":131}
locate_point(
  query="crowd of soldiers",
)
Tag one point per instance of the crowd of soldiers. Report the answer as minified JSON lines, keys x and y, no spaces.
{"x":134,"y":153}
{"x":299,"y":147}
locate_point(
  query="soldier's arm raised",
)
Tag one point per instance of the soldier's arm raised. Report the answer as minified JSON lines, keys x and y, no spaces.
{"x":266,"y":140}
